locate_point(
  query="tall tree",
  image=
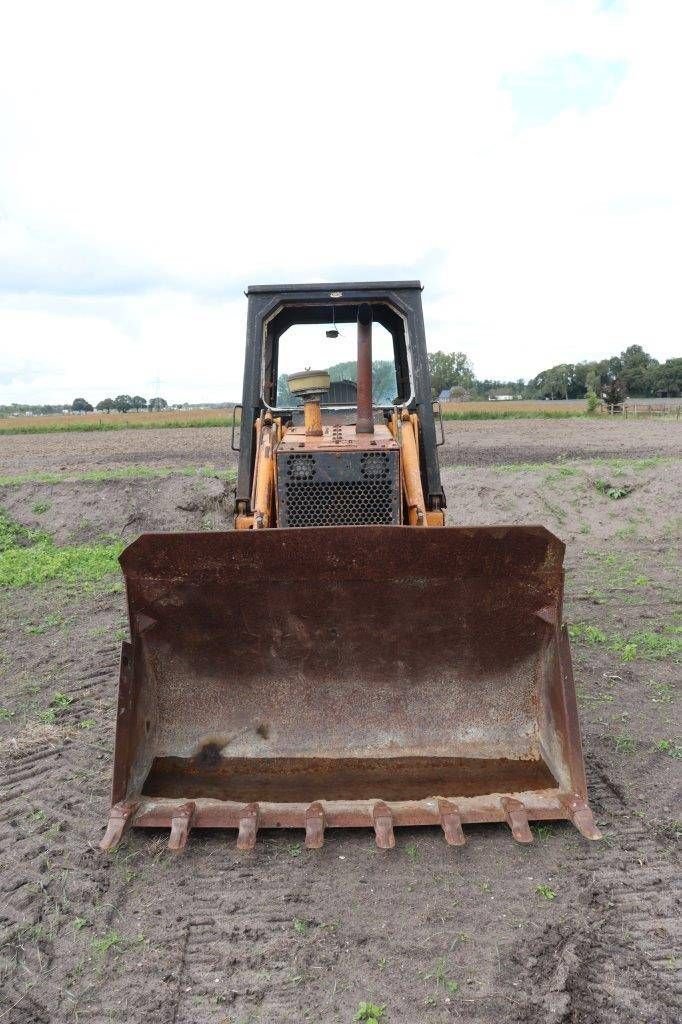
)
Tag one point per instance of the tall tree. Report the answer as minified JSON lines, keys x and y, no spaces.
{"x":284,"y":396}
{"x":449,"y":370}
{"x":635,"y":367}
{"x":81,"y":405}
{"x":123,"y":403}
{"x":106,"y":405}
{"x":665,"y":379}
{"x":139,"y":402}
{"x":157,"y":404}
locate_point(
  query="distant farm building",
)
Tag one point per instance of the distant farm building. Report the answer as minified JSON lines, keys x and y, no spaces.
{"x":341,"y":392}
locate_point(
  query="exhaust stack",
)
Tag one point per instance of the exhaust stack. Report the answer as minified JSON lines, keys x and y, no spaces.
{"x":365,"y":419}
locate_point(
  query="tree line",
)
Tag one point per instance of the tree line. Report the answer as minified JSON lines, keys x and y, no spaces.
{"x":122,"y":403}
{"x":634,"y":372}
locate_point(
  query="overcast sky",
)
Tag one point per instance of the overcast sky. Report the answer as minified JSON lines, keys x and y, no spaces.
{"x":523,"y":159}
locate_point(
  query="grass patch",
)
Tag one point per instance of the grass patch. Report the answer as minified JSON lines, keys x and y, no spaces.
{"x":613,"y":491}
{"x":370,"y":1013}
{"x":122,"y":473}
{"x":588,"y":634}
{"x":31,"y":566}
{"x":645,"y":645}
{"x":670,"y":748}
{"x":649,"y":646}
{"x":29,"y":558}
{"x":13,"y":534}
{"x":545,"y":892}
{"x":82,"y":426}
{"x":618,"y":466}
{"x":613,"y":569}
{"x":112,"y":940}
{"x":514,"y":414}
{"x":625,"y":744}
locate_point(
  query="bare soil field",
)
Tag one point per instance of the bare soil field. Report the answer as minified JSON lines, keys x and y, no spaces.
{"x":558,"y":932}
{"x":468,"y":442}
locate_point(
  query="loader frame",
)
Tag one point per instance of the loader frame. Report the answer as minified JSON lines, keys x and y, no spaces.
{"x":396,"y":305}
{"x":344,"y":668}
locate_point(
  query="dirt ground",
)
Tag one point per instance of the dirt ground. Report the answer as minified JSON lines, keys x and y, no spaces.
{"x":468,"y":442}
{"x":283,"y":935}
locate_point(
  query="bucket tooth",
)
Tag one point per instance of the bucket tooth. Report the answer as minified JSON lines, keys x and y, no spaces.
{"x":451,"y":823}
{"x":181,"y":823}
{"x":517,"y":819}
{"x":314,"y":826}
{"x":120,"y":819}
{"x":581,"y":816}
{"x":548,"y":614}
{"x":248,"y":827}
{"x":383,"y":826}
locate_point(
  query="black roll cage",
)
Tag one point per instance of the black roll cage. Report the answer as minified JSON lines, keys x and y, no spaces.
{"x":396,"y":305}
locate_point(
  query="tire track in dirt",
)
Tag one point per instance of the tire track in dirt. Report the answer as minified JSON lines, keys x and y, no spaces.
{"x":235,"y":944}
{"x":50,"y":875}
{"x":617,"y":960}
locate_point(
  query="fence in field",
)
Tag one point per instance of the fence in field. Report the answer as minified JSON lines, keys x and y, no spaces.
{"x":636,"y":408}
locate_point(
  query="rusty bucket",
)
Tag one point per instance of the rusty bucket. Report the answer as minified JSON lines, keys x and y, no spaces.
{"x":370,"y":676}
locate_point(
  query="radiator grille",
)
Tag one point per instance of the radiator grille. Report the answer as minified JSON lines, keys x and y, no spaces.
{"x":357,"y":489}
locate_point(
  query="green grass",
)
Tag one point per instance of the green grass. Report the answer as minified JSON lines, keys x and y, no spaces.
{"x":588,"y":634}
{"x":545,"y":892}
{"x":370,"y":1013}
{"x":648,"y":645}
{"x":618,"y":466}
{"x":112,"y":940}
{"x":80,"y":426}
{"x":30,"y":557}
{"x":102,"y":426}
{"x":612,"y":491}
{"x":670,"y":748}
{"x":12,"y":534}
{"x":31,"y":566}
{"x":515,"y":414}
{"x":645,"y":645}
{"x":625,"y":744}
{"x":122,"y":473}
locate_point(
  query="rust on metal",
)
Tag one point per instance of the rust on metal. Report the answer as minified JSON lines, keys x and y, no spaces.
{"x":312,"y":417}
{"x":365,"y":417}
{"x":181,"y":823}
{"x":581,"y":816}
{"x":248,"y":827}
{"x":451,"y":823}
{"x":383,"y":826}
{"x":314,"y":826}
{"x":347,"y":669}
{"x":286,"y":779}
{"x":337,"y":438}
{"x":120,"y":819}
{"x":517,"y":819}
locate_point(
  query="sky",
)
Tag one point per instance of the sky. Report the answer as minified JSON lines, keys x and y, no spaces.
{"x":523,"y":160}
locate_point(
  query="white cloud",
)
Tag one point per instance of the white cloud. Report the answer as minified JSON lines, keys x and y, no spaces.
{"x":156,"y":158}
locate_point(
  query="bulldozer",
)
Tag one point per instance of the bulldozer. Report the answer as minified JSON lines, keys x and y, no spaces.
{"x":342,"y":658}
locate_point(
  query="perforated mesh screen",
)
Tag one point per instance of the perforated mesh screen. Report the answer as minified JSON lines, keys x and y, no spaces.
{"x":352,"y":489}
